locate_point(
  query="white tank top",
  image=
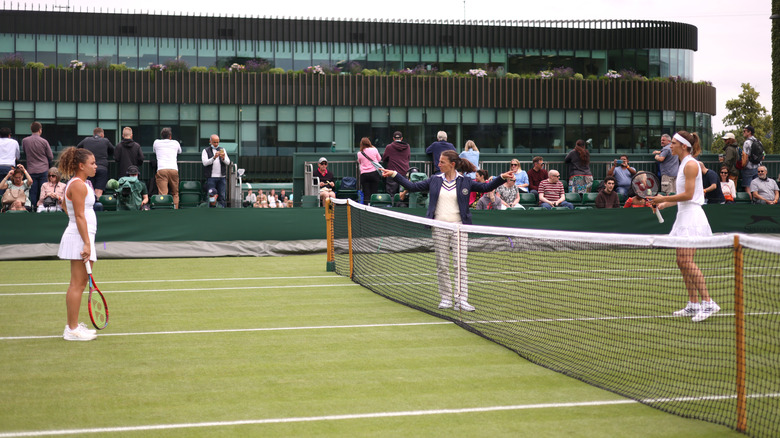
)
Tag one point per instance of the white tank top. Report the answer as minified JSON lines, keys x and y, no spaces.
{"x":698,"y":189}
{"x":89,"y":212}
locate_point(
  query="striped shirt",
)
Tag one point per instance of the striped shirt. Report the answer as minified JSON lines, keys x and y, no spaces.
{"x":551,"y":191}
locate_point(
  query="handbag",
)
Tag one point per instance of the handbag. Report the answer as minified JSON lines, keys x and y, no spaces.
{"x":13,"y":194}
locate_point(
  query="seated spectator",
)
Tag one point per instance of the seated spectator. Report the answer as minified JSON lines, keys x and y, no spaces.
{"x":637,"y":202}
{"x":622,"y":173}
{"x":262,"y":200}
{"x":17,"y":185}
{"x":272,"y":199}
{"x":712,"y":192}
{"x":327,"y":181}
{"x":285,"y":200}
{"x":213,"y":200}
{"x":608,"y":197}
{"x":727,"y":185}
{"x":536,"y":175}
{"x":485,"y":201}
{"x":131,"y":193}
{"x":763,"y":190}
{"x":52,"y":192}
{"x":507,"y":193}
{"x":551,"y":193}
{"x":250,"y":199}
{"x":521,"y":177}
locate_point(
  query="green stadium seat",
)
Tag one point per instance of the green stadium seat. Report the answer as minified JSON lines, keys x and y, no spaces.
{"x":528,"y":200}
{"x":418,"y":199}
{"x":743,"y":198}
{"x":397,"y":199}
{"x":589,"y":199}
{"x":417,"y":177}
{"x":574,"y":198}
{"x":345,"y":194}
{"x":161,"y":202}
{"x":310,"y":201}
{"x":561,"y":208}
{"x":109,"y":202}
{"x":594,"y":187}
{"x":535,"y":208}
{"x":380,"y":200}
{"x":189,"y":199}
{"x":190,"y":187}
{"x":583,"y":207}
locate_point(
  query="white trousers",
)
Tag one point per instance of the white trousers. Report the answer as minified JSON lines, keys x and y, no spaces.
{"x":446,"y":246}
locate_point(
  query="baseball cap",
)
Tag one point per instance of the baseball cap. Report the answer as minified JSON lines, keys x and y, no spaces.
{"x":132,"y":170}
{"x":212,"y":192}
{"x":322,"y":160}
{"x":729,"y":135}
{"x":397,"y":134}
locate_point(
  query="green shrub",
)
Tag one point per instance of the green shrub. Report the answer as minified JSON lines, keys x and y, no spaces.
{"x":199,"y":69}
{"x":276,"y":71}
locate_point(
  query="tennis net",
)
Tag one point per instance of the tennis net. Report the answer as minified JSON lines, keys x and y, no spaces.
{"x":596,"y":307}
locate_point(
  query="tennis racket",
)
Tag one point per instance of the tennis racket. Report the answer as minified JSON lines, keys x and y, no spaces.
{"x":646,"y":185}
{"x":98,"y":309}
{"x":376,"y":165}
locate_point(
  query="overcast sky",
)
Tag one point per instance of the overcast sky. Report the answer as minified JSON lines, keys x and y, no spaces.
{"x":734,"y":36}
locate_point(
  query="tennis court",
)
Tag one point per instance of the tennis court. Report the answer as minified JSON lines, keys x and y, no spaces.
{"x":276,"y":347}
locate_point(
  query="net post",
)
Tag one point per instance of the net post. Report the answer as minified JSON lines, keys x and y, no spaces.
{"x":739,"y":322}
{"x":330,"y":264}
{"x":349,"y":238}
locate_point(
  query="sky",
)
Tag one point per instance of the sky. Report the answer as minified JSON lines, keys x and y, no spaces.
{"x":734,"y":36}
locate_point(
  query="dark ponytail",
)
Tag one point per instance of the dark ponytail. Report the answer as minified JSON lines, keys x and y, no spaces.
{"x":461,"y":165}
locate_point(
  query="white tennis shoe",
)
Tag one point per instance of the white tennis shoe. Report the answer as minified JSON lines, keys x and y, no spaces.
{"x":708,"y":309}
{"x":80,"y":333}
{"x":690,"y":310}
{"x":466,"y":307}
{"x":445,"y":304}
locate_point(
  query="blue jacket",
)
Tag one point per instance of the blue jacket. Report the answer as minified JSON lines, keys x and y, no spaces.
{"x":464,"y":186}
{"x":435,"y":150}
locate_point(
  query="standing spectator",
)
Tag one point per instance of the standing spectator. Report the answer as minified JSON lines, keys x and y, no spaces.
{"x":127,"y":153}
{"x":369,"y":177}
{"x":16,"y":185}
{"x":471,"y":153}
{"x":101,"y":148}
{"x":727,"y":185}
{"x":711,"y":185}
{"x":763,"y":189}
{"x":608,"y":197}
{"x":668,"y":165}
{"x":167,"y":176}
{"x":396,"y":157}
{"x":730,"y":156}
{"x":9,"y":152}
{"x":580,"y":176}
{"x":508,"y":194}
{"x":622,"y":173}
{"x":327,"y":181}
{"x":551,"y":193}
{"x":215,"y":163}
{"x":39,"y":159}
{"x":52,"y":193}
{"x":521,"y":177}
{"x":750,"y":171}
{"x":437,"y":147}
{"x":536,"y":175}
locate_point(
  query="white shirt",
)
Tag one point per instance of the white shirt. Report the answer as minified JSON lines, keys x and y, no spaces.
{"x":166,"y":151}
{"x":9,"y":151}
{"x":216,"y":171}
{"x":698,"y":189}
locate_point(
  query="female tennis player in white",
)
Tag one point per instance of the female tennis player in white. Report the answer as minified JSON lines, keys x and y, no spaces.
{"x":690,"y":222}
{"x":78,"y":240}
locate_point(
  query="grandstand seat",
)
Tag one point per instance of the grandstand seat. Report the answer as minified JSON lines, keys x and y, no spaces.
{"x":535,"y":208}
{"x":743,"y":198}
{"x":594,"y":187}
{"x":345,"y":194}
{"x":380,"y":200}
{"x":189,"y":199}
{"x":528,"y":200}
{"x":560,"y":208}
{"x":109,"y":202}
{"x":623,"y":198}
{"x":310,"y":201}
{"x":397,"y":199}
{"x":161,"y":202}
{"x":574,"y":198}
{"x":417,"y":176}
{"x":583,"y":207}
{"x":190,"y":187}
{"x":589,"y":199}
{"x":418,"y":199}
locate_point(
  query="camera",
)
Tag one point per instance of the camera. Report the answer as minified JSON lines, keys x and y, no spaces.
{"x":618,"y":162}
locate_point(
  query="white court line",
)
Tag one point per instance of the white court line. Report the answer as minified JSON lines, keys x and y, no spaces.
{"x":171,"y":281}
{"x":59,"y":292}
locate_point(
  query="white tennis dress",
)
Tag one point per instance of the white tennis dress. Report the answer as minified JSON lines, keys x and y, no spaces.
{"x":691,"y":220}
{"x":71,"y":243}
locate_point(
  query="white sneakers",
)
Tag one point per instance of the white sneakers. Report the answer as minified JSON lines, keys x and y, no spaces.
{"x":447,"y":304}
{"x":698,"y":311}
{"x":80,"y":333}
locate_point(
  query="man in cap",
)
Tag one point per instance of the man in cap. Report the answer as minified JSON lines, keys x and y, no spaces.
{"x":131,"y":194}
{"x":396,"y":157}
{"x":730,"y":156}
{"x":326,"y":179}
{"x":213,"y":199}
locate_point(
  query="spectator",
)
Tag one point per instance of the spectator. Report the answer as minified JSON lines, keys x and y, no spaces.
{"x":16,"y":184}
{"x":127,"y":153}
{"x":489,"y":200}
{"x":637,"y":202}
{"x":101,"y":148}
{"x":167,"y":177}
{"x":52,"y":193}
{"x":215,"y":163}
{"x":507,"y":193}
{"x":326,"y":179}
{"x":764,"y":190}
{"x":622,"y":173}
{"x":580,"y":176}
{"x":750,"y":171}
{"x":272,"y":199}
{"x":536,"y":175}
{"x":9,"y":152}
{"x":471,"y":153}
{"x":39,"y":159}
{"x":608,"y":197}
{"x":250,"y":199}
{"x":551,"y":193}
{"x":285,"y":200}
{"x":730,"y":156}
{"x":132,"y":193}
{"x":712,"y":192}
{"x":521,"y":177}
{"x":668,"y":165}
{"x":727,"y":185}
{"x":369,"y":177}
{"x":396,"y":157}
{"x":437,"y":147}
{"x":213,"y":200}
{"x":262,"y":200}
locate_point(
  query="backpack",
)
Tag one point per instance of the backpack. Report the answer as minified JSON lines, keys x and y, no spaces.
{"x":756,"y":152}
{"x":349,"y":183}
{"x":741,"y":160}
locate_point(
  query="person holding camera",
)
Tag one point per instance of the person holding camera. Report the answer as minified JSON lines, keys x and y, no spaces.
{"x":17,"y":185}
{"x":132,"y":194}
{"x":215,"y":163}
{"x":52,"y":193}
{"x":622,"y":173}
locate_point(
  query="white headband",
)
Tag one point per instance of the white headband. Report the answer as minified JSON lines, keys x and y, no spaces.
{"x":682,"y":140}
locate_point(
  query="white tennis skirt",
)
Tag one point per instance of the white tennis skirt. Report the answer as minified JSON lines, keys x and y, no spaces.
{"x":71,"y":246}
{"x":691,"y":222}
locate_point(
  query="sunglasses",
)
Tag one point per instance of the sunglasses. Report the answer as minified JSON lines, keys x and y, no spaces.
{"x":52,"y":176}
{"x":724,"y":173}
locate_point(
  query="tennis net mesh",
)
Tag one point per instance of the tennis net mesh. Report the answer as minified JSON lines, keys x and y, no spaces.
{"x":596,"y":307}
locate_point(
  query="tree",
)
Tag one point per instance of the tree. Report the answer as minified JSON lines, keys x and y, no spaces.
{"x":745,"y":110}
